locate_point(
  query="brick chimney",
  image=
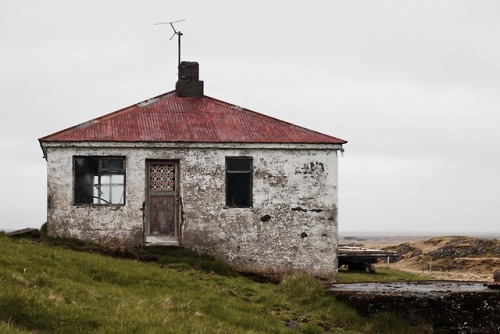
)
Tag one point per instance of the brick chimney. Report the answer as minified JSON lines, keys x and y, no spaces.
{"x":189,"y":84}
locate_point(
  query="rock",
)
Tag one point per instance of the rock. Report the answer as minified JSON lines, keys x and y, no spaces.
{"x":496,"y":275}
{"x":415,"y":253}
{"x":451,"y":308}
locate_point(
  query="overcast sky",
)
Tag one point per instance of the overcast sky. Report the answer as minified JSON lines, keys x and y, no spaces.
{"x":414,"y":86}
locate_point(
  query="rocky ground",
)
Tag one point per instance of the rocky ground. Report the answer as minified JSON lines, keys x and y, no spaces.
{"x":447,"y":258}
{"x":451,"y":307}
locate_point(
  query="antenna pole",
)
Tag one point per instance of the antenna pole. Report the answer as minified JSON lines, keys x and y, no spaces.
{"x":179,"y":34}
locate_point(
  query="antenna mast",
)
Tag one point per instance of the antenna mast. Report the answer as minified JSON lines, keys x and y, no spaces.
{"x":179,"y":34}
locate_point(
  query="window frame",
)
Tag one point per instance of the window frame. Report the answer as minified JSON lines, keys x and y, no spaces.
{"x":249,"y":193}
{"x":101,"y":171}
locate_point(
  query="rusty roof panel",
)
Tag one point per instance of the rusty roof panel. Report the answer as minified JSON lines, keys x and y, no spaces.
{"x":170,"y":118}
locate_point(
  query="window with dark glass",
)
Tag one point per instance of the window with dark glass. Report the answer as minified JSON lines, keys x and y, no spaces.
{"x":99,"y":180}
{"x":239,"y":182}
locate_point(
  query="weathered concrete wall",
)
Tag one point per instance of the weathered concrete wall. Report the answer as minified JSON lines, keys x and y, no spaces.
{"x":107,"y":225}
{"x":291,"y":226}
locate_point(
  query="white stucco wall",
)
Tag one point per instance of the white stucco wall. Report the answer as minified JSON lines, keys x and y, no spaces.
{"x":292,"y":225}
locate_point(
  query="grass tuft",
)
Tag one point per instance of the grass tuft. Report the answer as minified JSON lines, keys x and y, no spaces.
{"x":302,"y":288}
{"x":382,"y":275}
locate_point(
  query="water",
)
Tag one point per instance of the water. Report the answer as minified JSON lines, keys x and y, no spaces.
{"x":415,"y":288}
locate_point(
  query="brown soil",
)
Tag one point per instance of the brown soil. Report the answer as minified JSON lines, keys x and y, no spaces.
{"x":446,"y":258}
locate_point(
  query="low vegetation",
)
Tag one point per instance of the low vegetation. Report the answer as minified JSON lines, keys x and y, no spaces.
{"x":451,"y":257}
{"x":382,"y":275}
{"x":47,"y":287}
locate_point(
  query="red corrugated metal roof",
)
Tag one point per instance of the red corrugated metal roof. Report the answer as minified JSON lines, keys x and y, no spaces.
{"x":170,"y":118}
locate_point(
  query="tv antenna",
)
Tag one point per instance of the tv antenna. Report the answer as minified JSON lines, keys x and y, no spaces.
{"x":179,"y":34}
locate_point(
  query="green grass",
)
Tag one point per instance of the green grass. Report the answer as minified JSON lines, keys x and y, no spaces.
{"x":382,"y":275}
{"x":47,"y":287}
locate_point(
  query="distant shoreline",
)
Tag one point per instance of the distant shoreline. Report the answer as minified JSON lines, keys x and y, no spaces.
{"x":383,"y":240}
{"x":415,"y":234}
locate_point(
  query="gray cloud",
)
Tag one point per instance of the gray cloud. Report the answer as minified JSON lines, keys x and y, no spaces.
{"x":412,"y":86}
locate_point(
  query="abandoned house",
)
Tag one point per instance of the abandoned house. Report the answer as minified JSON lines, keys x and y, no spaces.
{"x":184,"y":169}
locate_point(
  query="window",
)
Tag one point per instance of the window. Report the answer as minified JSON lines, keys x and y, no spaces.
{"x":239,"y":182}
{"x":99,"y":180}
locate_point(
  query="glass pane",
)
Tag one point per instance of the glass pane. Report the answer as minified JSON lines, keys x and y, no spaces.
{"x":117,"y":189}
{"x":117,"y":194}
{"x":112,"y":163}
{"x":97,"y":191}
{"x":239,"y":164}
{"x":105,"y":197}
{"x":117,"y":178}
{"x":112,"y":189}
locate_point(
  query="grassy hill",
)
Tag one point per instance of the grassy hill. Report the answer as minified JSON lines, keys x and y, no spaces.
{"x":47,"y":288}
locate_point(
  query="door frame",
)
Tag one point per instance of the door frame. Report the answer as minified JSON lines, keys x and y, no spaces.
{"x":162,"y":239}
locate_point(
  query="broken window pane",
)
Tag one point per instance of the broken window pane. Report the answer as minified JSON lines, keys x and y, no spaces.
{"x":239,"y":164}
{"x":86,"y":171}
{"x":99,"y":180}
{"x":238,"y":182}
{"x":112,"y":164}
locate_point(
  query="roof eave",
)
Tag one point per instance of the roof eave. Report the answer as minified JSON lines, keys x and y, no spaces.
{"x":188,"y":144}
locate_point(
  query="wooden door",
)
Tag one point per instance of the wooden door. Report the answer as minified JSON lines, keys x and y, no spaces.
{"x":162,"y":199}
